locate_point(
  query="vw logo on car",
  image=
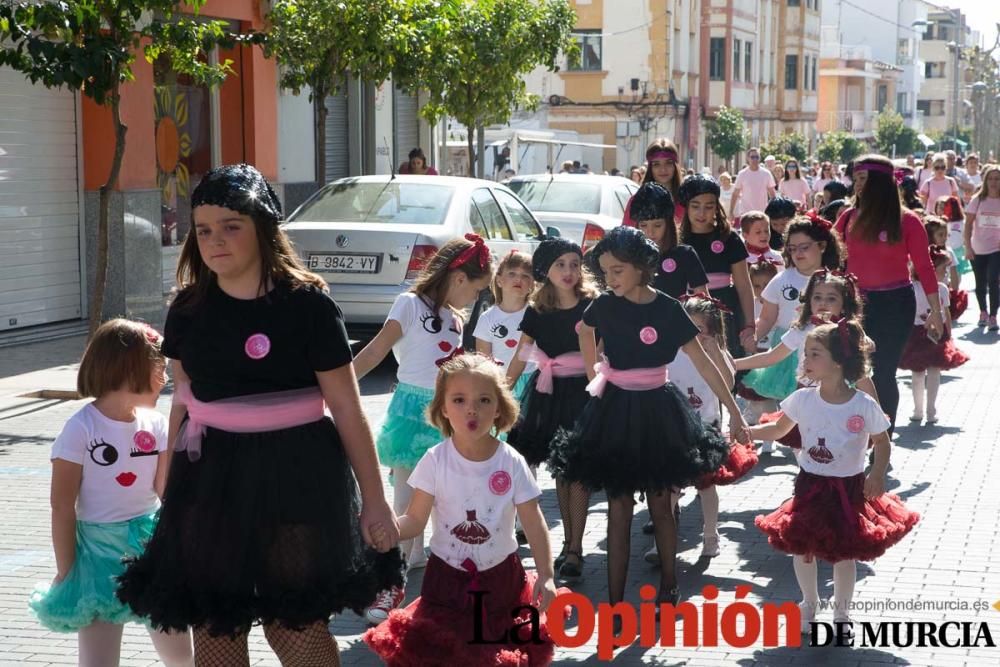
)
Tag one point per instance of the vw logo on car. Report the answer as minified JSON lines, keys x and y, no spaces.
{"x":342,"y":241}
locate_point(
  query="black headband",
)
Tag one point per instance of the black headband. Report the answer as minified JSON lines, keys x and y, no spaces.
{"x":547,"y":252}
{"x":240,"y":188}
{"x":698,"y":184}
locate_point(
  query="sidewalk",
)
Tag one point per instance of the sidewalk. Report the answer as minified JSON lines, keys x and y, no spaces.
{"x":947,"y":472}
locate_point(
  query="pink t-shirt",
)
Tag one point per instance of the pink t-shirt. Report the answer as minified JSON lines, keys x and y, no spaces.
{"x":796,"y":189}
{"x":986,"y":226}
{"x":933,"y":189}
{"x":753,"y":187}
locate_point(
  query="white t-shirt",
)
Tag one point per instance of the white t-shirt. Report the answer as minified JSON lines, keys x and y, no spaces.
{"x":753,"y":187}
{"x":427,"y":338}
{"x":725,"y":197}
{"x":924,"y":306}
{"x":795,"y":339}
{"x":834,"y":437}
{"x":689,"y":381}
{"x":119,"y":462}
{"x":502,"y":330}
{"x":474,"y":502}
{"x":784,"y":291}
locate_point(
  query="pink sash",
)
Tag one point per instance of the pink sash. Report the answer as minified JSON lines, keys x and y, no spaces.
{"x":720,"y":280}
{"x":255,"y":413}
{"x":565,"y":365}
{"x":635,"y":379}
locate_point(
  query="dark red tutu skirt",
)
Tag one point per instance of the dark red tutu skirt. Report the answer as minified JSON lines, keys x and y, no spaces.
{"x":922,"y":353}
{"x":741,"y":460}
{"x":958,"y":301}
{"x":791,"y":439}
{"x":749,"y":394}
{"x":436,"y":628}
{"x":829,"y":518}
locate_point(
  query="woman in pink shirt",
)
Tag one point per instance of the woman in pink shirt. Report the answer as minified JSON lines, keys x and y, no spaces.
{"x":882,"y":239}
{"x":982,"y":244}
{"x":937,"y":186}
{"x":661,"y":167}
{"x":794,"y":186}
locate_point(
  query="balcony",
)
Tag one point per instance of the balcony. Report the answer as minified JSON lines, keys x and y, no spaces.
{"x":858,"y":123}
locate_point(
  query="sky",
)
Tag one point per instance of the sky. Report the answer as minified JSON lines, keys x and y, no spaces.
{"x":982,"y":15}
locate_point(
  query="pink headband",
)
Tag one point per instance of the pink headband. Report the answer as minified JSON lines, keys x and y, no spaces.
{"x":662,"y":155}
{"x":874,"y":166}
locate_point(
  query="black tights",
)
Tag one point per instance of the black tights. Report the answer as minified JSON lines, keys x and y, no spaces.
{"x":312,"y":646}
{"x":987,"y":271}
{"x":620,"y":541}
{"x":888,"y":320}
{"x":574,"y":501}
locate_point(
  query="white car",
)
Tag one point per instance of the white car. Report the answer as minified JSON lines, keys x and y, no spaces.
{"x":582,"y":206}
{"x":370,"y":236}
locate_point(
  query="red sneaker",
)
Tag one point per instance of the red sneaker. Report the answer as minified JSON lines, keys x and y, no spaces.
{"x":385,"y":602}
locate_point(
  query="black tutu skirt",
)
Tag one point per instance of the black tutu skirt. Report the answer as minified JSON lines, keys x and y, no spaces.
{"x":544,"y":414}
{"x":922,"y":353}
{"x":628,"y":441}
{"x":263,"y":528}
{"x":830,"y":518}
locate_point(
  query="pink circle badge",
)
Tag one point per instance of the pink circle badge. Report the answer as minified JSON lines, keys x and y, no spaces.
{"x":576,"y":327}
{"x":883,"y":237}
{"x":648,"y":335}
{"x":500,"y":482}
{"x":718,"y":246}
{"x":257,"y":346}
{"x":144,"y":441}
{"x":856,"y":424}
{"x":669,"y":265}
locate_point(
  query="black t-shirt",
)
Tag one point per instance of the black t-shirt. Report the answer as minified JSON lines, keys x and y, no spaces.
{"x":556,"y":331}
{"x":235,"y":347}
{"x":777,"y":241}
{"x":679,"y":269}
{"x":717,"y":255}
{"x":640,"y":335}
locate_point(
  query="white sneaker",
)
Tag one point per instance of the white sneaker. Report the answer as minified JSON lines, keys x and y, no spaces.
{"x":808,"y":613}
{"x":767,"y":447}
{"x":710,"y":547}
{"x":652,"y":556}
{"x":385,"y":602}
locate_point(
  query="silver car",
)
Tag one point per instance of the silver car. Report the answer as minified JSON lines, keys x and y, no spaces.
{"x":582,"y":206}
{"x":369,"y":236}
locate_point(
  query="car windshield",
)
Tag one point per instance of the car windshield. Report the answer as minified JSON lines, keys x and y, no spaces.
{"x":558,"y":196}
{"x":392,"y":201}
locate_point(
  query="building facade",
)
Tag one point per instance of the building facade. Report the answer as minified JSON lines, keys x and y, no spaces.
{"x":944,"y":95}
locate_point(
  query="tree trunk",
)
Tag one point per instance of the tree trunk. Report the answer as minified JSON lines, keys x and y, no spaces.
{"x":472,"y":153}
{"x":103,"y":223}
{"x":319,"y":97}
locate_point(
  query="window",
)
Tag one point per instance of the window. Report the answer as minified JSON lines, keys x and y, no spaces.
{"x":944,"y":33}
{"x":805,"y":72}
{"x":559,"y":196}
{"x":901,"y":104}
{"x":737,"y":49}
{"x":589,"y":42}
{"x":524,"y":224}
{"x":934,"y":70}
{"x":746,"y":62}
{"x":794,"y":3}
{"x":485,"y":214}
{"x":717,"y":59}
{"x":791,"y":72}
{"x":814,"y":73}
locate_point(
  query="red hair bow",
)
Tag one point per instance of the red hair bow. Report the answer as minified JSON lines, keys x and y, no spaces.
{"x":899,"y":175}
{"x":819,"y":221}
{"x":849,"y":277}
{"x":938,"y":251}
{"x":152,"y":335}
{"x":478,"y":248}
{"x":457,"y":352}
{"x":764,"y":260}
{"x":699,"y":295}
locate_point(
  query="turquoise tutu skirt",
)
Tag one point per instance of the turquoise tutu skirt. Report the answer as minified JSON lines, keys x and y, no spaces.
{"x":520,"y":388}
{"x":406,"y":434}
{"x":778,"y":381}
{"x":964,"y":265}
{"x":87,"y":594}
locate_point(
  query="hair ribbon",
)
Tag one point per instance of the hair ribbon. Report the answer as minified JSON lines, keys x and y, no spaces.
{"x":478,"y":247}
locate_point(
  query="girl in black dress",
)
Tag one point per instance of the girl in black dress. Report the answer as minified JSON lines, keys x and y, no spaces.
{"x":260,"y":521}
{"x":638,"y":432}
{"x":723,"y":254}
{"x":556,"y":392}
{"x":679,"y":269}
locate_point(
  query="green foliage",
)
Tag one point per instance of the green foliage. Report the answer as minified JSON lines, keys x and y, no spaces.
{"x":891,"y":131}
{"x":727,"y":133}
{"x":786,"y":146}
{"x":839,"y":146}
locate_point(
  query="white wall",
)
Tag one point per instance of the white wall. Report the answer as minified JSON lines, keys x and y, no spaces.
{"x":296,"y":144}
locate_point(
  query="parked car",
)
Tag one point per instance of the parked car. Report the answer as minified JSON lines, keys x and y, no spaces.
{"x":583,"y":206}
{"x":370,"y":236}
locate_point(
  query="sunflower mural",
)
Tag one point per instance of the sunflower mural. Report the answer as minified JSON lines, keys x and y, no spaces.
{"x":173,"y":149}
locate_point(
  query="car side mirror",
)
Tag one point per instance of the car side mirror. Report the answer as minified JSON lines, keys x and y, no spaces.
{"x":553,"y":232}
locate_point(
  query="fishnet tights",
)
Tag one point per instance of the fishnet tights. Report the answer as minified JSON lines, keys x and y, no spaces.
{"x":574,"y":501}
{"x":310,"y":647}
{"x":620,"y":541}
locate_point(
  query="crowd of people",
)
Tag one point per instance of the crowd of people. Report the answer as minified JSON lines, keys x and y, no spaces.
{"x":670,"y":356}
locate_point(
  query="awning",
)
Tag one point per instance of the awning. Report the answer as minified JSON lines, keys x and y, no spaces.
{"x":925,"y":140}
{"x":953,"y":141}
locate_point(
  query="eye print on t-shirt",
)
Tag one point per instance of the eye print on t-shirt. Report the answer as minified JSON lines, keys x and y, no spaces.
{"x":501,"y":332}
{"x":105,"y":455}
{"x":790,"y":293}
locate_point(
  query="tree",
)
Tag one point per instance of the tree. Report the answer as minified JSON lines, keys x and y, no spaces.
{"x":892,"y":133}
{"x":90,"y":46}
{"x":318,"y":43}
{"x":786,"y":146}
{"x":838,"y":146}
{"x":470,"y":56}
{"x":727,"y":133}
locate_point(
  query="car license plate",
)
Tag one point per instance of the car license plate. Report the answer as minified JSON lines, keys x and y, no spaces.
{"x":345,"y":263}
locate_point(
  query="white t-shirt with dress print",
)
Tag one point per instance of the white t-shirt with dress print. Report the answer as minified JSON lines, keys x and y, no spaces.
{"x":784,"y":291}
{"x":683,"y":374}
{"x":427,"y":338}
{"x":924,"y":306}
{"x":474,"y":502}
{"x":502,"y":330}
{"x":119,"y":462}
{"x":834,"y":437}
